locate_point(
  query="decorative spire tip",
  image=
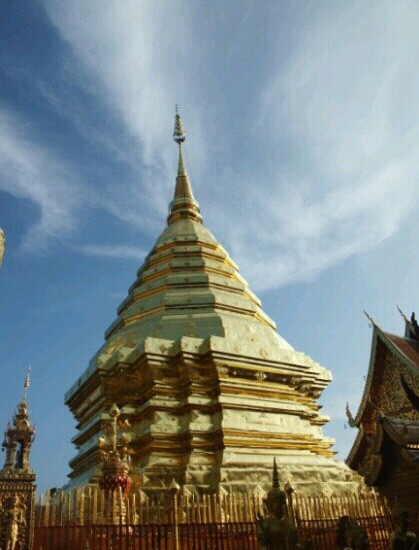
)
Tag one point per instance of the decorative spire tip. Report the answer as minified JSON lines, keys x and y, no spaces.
{"x":183,"y":205}
{"x":179,"y":132}
{"x":275,"y":477}
{"x":26,"y":383}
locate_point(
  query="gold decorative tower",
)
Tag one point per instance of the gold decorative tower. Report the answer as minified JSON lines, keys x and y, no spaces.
{"x":17,"y":488}
{"x":212,"y":392}
{"x":116,"y":465}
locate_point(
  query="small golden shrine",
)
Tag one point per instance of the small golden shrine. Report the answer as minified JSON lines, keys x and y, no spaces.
{"x":17,"y":482}
{"x":211,"y":391}
{"x":386,"y":449}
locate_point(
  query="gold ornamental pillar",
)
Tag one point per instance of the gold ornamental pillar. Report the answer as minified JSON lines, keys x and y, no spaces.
{"x":17,"y":483}
{"x":115,"y":480}
{"x":174,"y":489}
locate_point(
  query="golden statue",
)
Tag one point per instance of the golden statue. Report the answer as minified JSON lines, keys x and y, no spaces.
{"x":275,"y":530}
{"x":350,"y":535}
{"x":403,"y":538}
{"x":13,"y":523}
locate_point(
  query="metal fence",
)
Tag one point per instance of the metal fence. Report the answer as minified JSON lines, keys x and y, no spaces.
{"x":317,"y":519}
{"x":190,"y":522}
{"x":190,"y":536}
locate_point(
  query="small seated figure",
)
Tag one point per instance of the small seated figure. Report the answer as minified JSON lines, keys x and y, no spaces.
{"x":402,"y":538}
{"x":350,"y":534}
{"x":275,"y":530}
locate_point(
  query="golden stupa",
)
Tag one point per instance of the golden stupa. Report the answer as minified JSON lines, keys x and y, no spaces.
{"x":210,"y":391}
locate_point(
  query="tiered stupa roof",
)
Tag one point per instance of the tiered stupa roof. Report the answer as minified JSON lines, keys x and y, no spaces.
{"x":189,"y":286}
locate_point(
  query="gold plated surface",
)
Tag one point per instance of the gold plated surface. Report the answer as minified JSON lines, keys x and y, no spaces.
{"x":211,"y":390}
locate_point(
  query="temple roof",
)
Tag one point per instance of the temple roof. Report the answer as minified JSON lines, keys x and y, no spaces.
{"x":404,"y":433}
{"x":370,"y":454}
{"x":408,"y":347}
{"x":386,"y":409}
{"x":405,"y":349}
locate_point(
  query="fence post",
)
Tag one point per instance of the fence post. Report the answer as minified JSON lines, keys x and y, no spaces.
{"x":289,"y":489}
{"x":174,"y":489}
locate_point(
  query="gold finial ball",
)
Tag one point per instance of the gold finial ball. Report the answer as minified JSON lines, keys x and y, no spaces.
{"x":173,"y":486}
{"x":114,"y":412}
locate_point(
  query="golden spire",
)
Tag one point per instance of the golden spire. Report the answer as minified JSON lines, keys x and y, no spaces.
{"x":183,"y":206}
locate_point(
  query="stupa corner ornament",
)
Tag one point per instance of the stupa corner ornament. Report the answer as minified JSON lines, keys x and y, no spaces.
{"x":116,"y":463}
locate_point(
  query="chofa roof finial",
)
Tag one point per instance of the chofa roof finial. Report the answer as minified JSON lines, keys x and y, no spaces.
{"x":406,"y":320}
{"x":370,"y":319}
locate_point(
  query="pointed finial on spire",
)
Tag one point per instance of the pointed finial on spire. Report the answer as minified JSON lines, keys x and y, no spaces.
{"x":179,"y":137}
{"x":184,"y":205}
{"x":26,"y":383}
{"x":275,"y":477}
{"x":179,"y":132}
{"x":351,"y":419}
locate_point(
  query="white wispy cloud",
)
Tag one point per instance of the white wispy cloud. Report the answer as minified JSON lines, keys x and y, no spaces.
{"x":136,"y":58}
{"x":114,"y":251}
{"x":344,"y":97}
{"x":29,"y":170}
{"x":347,"y":96}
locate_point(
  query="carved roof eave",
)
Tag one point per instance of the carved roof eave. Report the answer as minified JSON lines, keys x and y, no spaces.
{"x":353,"y":453}
{"x":378,"y":333}
{"x":408,"y":457}
{"x":395,"y":436}
{"x":356,"y":456}
{"x":384,"y":428}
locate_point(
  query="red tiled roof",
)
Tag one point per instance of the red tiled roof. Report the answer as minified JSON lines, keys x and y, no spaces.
{"x":410,"y":348}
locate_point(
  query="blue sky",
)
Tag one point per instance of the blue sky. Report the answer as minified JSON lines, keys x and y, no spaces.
{"x":301,"y":121}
